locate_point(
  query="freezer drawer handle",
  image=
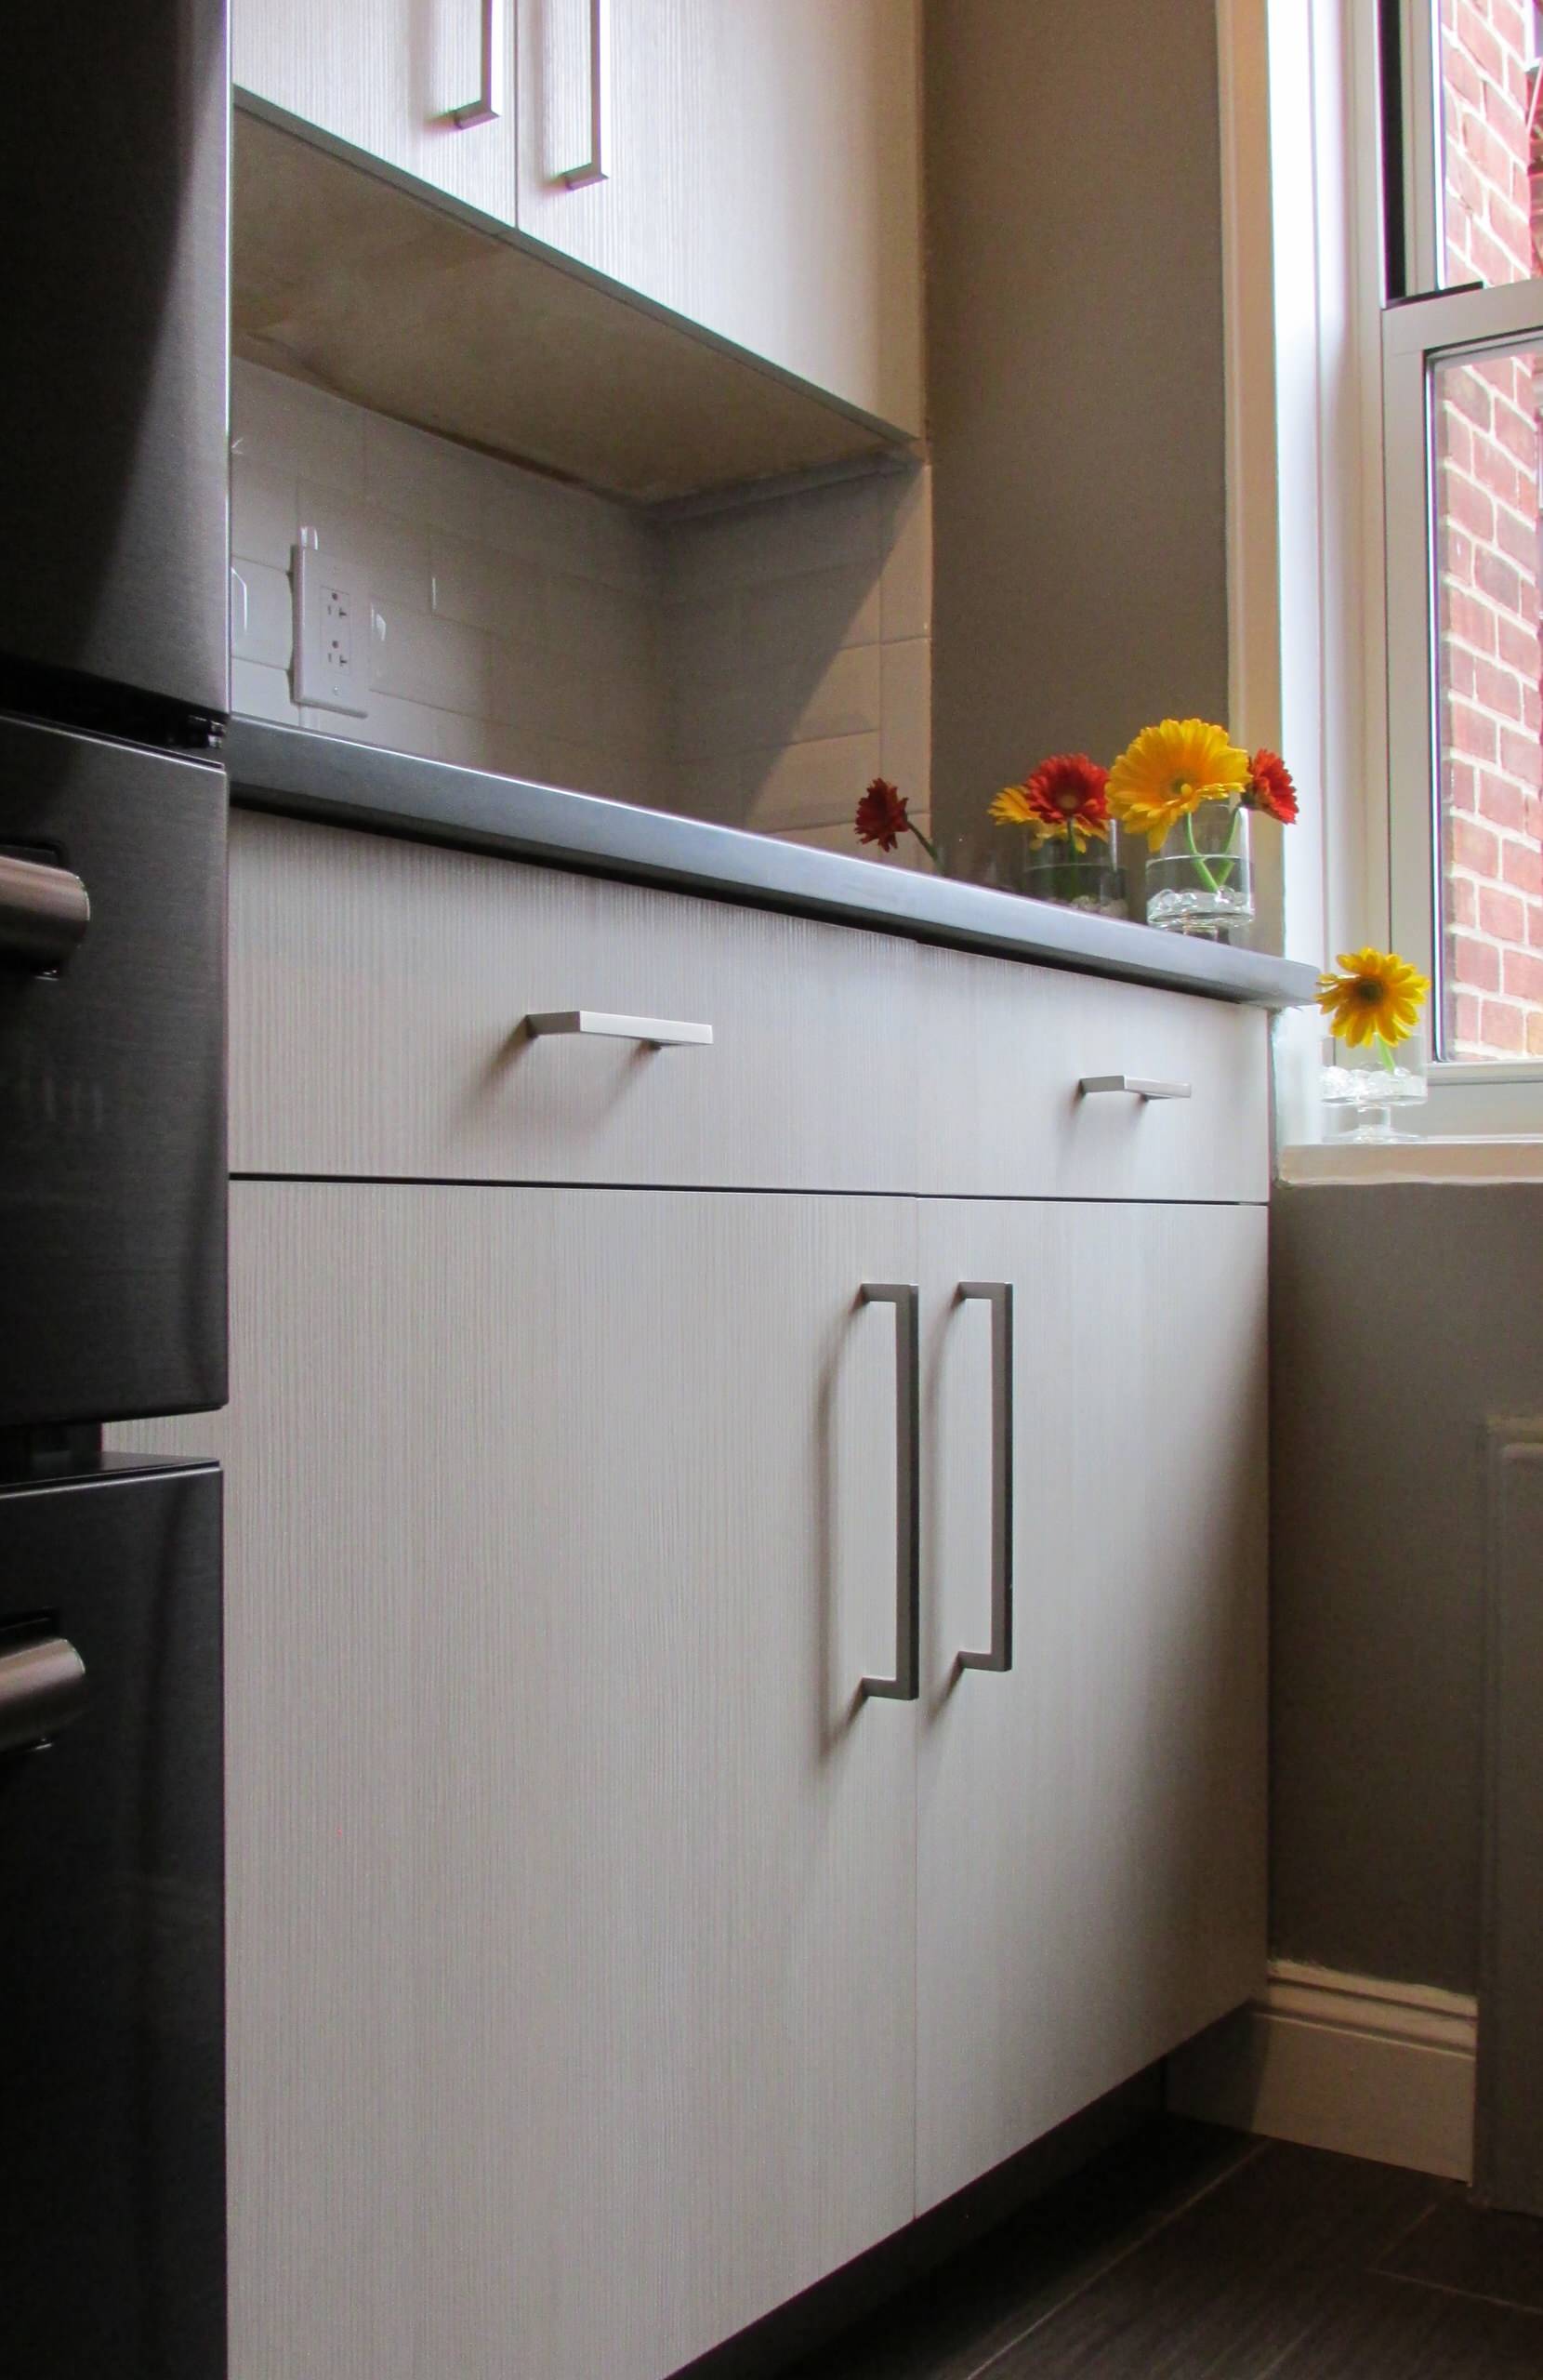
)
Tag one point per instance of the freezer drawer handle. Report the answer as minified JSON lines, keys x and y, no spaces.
{"x":488,"y":106}
{"x":653,"y":1032}
{"x":1139,"y":1086}
{"x":904,"y":1686}
{"x":999,"y":1295}
{"x":43,"y":913}
{"x":41,"y":1687}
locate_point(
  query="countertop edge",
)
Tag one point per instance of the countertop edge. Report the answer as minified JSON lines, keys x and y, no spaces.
{"x":300,"y":774}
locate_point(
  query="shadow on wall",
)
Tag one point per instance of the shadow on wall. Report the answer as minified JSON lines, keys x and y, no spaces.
{"x":1404,"y":1317}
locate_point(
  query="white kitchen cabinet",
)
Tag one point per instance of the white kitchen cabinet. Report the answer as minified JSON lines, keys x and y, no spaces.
{"x":763,"y":177}
{"x":604,"y":1967}
{"x":571,"y":1893}
{"x":761,"y":183}
{"x":1091,"y":1821}
{"x":390,"y":77}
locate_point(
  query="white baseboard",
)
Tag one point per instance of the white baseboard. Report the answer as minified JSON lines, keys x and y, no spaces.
{"x":1376,"y":2069}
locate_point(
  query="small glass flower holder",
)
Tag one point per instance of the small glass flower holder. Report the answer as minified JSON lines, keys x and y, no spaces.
{"x":1372,"y":1083}
{"x":1202,"y":882}
{"x":1090,"y":881}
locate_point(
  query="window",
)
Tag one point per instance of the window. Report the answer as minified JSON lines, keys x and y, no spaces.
{"x":1462,"y":390}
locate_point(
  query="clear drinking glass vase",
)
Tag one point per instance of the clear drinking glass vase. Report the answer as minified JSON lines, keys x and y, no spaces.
{"x":1373,"y":1082}
{"x":1087,"y":880}
{"x":1201,"y":881}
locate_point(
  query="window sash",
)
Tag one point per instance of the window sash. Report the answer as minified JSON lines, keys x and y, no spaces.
{"x":1417,"y":337}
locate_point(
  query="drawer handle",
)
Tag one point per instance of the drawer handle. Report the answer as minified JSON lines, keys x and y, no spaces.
{"x":655,"y":1032}
{"x":901,"y":1295}
{"x":596,"y":167}
{"x":1139,"y":1086}
{"x":1000,"y":1296}
{"x":488,"y":106}
{"x":41,"y":1686}
{"x":43,"y":913}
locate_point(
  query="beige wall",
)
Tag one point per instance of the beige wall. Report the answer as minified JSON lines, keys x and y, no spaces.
{"x":1402,"y":1318}
{"x":1075,"y":379}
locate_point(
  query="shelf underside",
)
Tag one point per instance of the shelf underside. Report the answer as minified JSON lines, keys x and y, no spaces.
{"x":349,"y":280}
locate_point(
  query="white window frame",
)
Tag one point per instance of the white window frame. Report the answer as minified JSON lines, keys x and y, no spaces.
{"x":1490,"y":1097}
{"x":1327,"y":421}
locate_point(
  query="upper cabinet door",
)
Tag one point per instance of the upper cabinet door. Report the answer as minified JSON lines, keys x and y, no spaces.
{"x":761,"y":173}
{"x":1091,"y":1823}
{"x":407,"y":80}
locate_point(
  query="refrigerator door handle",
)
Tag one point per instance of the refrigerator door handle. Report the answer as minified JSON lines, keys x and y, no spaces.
{"x":43,"y":913}
{"x":41,"y":1687}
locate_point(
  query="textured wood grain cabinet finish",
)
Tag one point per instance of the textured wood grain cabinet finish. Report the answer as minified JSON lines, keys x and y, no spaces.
{"x":605,"y":1967}
{"x":761,"y":159}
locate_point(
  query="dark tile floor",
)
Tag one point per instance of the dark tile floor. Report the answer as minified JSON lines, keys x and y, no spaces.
{"x":1194,"y":2254}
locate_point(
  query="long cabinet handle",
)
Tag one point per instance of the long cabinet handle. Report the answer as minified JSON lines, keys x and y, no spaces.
{"x":1139,"y":1086}
{"x":596,"y":166}
{"x":999,"y":1296}
{"x":44,"y":912}
{"x":41,"y":1686}
{"x":901,"y":1295}
{"x":655,"y":1032}
{"x":488,"y":106}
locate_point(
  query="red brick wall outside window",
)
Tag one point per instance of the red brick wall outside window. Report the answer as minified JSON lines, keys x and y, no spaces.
{"x":1486,"y":446}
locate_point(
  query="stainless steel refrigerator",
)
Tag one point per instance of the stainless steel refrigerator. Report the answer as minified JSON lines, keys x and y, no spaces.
{"x":113,"y":700}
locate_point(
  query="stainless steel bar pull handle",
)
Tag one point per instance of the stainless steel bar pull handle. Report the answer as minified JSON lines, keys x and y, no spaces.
{"x":596,"y":166}
{"x":488,"y":106}
{"x":43,"y":913}
{"x":41,"y":1687}
{"x":655,"y":1032}
{"x":999,"y":1293}
{"x":1139,"y":1086}
{"x":901,"y":1295}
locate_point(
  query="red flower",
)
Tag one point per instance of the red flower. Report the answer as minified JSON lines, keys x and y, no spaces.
{"x":1269,"y":787}
{"x":882,"y":815}
{"x":1064,"y":798}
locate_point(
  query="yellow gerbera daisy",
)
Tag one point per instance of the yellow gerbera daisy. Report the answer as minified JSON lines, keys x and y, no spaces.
{"x":1171,"y":770}
{"x":1375,"y":997}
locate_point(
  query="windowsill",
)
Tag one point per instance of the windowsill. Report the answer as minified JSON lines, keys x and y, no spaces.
{"x":1498,"y":1158}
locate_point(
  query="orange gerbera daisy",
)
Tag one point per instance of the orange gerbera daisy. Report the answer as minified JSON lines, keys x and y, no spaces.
{"x":1062,"y":801}
{"x":1269,"y":786}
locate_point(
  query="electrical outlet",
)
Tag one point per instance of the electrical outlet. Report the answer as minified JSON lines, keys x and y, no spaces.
{"x":332,"y":631}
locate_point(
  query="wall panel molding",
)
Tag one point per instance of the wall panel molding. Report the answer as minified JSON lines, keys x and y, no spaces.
{"x":1509,"y":2154}
{"x":1352,"y":2063}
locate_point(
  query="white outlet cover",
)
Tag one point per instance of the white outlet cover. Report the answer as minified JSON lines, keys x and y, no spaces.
{"x":331,"y":668}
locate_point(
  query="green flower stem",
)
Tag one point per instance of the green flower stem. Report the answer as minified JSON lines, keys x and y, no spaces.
{"x":1205,"y":877}
{"x":1385,"y":1052}
{"x":928,"y":847}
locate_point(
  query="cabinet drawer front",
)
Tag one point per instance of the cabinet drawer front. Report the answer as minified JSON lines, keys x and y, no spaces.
{"x":1004,"y":1049}
{"x":378,"y":993}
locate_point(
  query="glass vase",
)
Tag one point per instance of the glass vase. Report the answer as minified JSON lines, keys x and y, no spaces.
{"x":1372,"y":1083}
{"x":1090,"y":881}
{"x":1202,"y":882}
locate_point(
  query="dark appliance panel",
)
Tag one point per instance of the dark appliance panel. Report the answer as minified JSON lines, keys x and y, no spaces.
{"x":111,"y":2118}
{"x":112,"y":1163}
{"x":113,"y":145}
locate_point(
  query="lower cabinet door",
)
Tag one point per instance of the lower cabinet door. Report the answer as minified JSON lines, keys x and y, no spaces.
{"x":1091,"y":1821}
{"x":572,"y":1891}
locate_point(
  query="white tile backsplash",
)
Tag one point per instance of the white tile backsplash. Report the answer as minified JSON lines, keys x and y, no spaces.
{"x":394,"y":550}
{"x":262,"y":615}
{"x":264,"y":512}
{"x":426,"y":660}
{"x":288,"y":427}
{"x":756,"y":664}
{"x":807,"y":785}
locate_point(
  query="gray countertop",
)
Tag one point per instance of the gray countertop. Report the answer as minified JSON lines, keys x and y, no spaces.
{"x":302,"y":774}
